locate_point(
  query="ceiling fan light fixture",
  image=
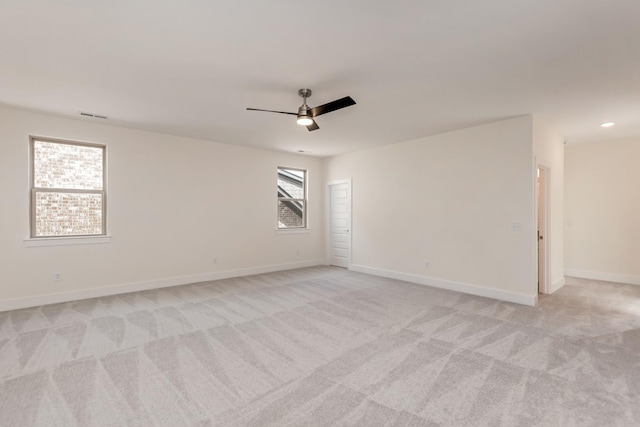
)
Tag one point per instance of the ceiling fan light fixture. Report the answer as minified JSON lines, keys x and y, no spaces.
{"x":304,"y":120}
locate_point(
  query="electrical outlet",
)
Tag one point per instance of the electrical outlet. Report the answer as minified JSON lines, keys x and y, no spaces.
{"x":57,"y":277}
{"x":427,"y":264}
{"x":516,"y":226}
{"x":215,"y":260}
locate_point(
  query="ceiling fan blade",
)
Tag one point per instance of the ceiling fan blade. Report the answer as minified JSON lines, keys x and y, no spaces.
{"x":332,"y":106}
{"x":313,"y":126}
{"x":272,"y":111}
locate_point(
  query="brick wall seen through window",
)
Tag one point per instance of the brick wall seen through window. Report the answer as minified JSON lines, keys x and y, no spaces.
{"x":292,"y":198}
{"x":67,"y":191}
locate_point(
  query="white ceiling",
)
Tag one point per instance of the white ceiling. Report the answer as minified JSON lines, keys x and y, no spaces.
{"x":415,"y":68}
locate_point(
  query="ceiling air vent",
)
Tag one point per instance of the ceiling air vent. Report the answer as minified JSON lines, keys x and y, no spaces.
{"x":97,"y":116}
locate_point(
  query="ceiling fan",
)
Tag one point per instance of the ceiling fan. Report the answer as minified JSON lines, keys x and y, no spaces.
{"x":306,"y":114}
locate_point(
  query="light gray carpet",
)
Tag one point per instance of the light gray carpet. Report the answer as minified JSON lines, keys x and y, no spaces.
{"x":324,"y":346}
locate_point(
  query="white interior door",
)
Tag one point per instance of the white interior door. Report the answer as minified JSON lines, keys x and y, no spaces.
{"x":340,"y":224}
{"x":542,"y":227}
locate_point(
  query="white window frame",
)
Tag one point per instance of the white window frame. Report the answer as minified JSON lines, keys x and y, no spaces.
{"x":304,"y":200}
{"x":35,"y":190}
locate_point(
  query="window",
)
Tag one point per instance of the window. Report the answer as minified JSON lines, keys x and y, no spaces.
{"x":67,"y":188}
{"x":292,"y":198}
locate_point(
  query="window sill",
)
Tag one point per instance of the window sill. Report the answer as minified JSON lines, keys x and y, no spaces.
{"x":293,"y":231}
{"x":64,"y":241}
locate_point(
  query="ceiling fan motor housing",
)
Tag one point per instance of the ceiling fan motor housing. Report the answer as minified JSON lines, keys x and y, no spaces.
{"x":303,"y":110}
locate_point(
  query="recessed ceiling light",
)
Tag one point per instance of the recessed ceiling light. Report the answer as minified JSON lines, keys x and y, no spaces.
{"x":607,"y":124}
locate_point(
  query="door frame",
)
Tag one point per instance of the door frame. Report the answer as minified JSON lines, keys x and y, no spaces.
{"x":327,"y":252}
{"x":543,"y":283}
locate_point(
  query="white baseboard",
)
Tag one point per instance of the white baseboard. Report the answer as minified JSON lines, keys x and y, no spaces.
{"x":34,"y":301}
{"x":607,"y":277}
{"x":557,"y":285}
{"x":466,"y":288}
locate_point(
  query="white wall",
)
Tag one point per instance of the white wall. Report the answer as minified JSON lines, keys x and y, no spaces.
{"x":602,"y":235}
{"x":548,"y":150}
{"x":450,"y":199}
{"x":173,"y":205}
